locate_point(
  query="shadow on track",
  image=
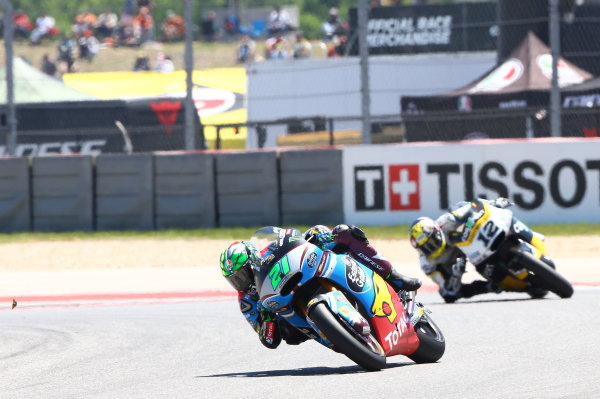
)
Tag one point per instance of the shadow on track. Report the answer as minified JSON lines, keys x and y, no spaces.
{"x":304,"y":372}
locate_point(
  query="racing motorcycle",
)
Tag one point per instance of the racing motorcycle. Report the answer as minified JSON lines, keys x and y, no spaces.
{"x":341,"y":303}
{"x":507,"y":252}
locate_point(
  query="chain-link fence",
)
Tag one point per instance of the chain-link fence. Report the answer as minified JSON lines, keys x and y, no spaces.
{"x":514,"y":98}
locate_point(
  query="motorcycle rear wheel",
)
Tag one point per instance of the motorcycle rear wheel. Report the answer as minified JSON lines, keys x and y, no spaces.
{"x":370,"y":358}
{"x":547,"y":276}
{"x":432,"y":343}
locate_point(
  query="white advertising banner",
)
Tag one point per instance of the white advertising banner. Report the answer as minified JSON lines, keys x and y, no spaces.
{"x":549,"y":180}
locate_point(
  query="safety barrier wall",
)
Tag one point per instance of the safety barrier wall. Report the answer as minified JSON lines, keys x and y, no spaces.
{"x":311,"y":187}
{"x":247,"y":189}
{"x":170,"y":190}
{"x":184,"y":191}
{"x":62,"y":193}
{"x":15,"y":195}
{"x":124,"y":192}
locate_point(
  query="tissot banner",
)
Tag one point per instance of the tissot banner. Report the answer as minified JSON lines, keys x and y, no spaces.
{"x":549,"y":180}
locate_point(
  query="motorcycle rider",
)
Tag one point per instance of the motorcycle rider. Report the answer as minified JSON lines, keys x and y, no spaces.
{"x":443,"y":262}
{"x":238,"y":262}
{"x":353,"y":241}
{"x":240,"y":258}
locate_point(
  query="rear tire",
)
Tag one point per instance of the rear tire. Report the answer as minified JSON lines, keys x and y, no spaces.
{"x":547,"y":276}
{"x":369,"y":359}
{"x":432,"y":343}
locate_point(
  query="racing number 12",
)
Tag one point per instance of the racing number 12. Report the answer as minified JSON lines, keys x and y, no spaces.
{"x":278,"y":271}
{"x":487,"y":232}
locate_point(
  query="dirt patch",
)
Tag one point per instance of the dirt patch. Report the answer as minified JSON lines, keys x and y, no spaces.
{"x":116,"y":254}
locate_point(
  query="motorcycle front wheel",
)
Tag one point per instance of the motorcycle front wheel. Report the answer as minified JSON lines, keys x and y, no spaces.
{"x":370,"y":357}
{"x":432,"y":343}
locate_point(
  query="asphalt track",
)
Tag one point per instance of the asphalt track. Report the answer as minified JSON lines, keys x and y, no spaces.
{"x":194,"y":346}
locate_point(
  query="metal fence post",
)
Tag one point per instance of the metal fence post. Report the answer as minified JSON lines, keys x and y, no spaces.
{"x":554,"y":33}
{"x":10,"y":88}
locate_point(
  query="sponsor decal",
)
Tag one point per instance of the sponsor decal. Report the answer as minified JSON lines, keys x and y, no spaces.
{"x":404,"y":187}
{"x":368,"y":187}
{"x":272,"y":304}
{"x":311,"y":261}
{"x":590,"y":131}
{"x":355,"y":275}
{"x":245,"y":306}
{"x":382,"y":304}
{"x":583,"y":101}
{"x":166,"y":112}
{"x":85,"y":147}
{"x":528,"y":183}
{"x":566,"y":74}
{"x":505,"y":75}
{"x":322,"y":264}
{"x":270,"y":332}
{"x":393,"y":336}
{"x":465,"y":103}
{"x":511,"y":104}
{"x":409,"y":31}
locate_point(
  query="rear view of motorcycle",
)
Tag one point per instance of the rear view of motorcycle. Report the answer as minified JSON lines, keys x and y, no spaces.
{"x":507,"y":252}
{"x":341,"y":303}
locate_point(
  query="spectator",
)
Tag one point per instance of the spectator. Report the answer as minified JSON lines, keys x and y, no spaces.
{"x":84,"y":22}
{"x":333,"y":26}
{"x":149,"y":4}
{"x":48,"y":66}
{"x":210,"y":27}
{"x":125,"y":30}
{"x":232,"y":26}
{"x":66,"y":50}
{"x":173,"y":28}
{"x":279,"y":21}
{"x":277,"y":47}
{"x":45,"y":25}
{"x":21,"y":24}
{"x":106,"y":26}
{"x":246,"y":49}
{"x":142,"y":63}
{"x":143,"y":27}
{"x":88,"y":45}
{"x":164,"y":63}
{"x":302,"y":47}
{"x":337,"y":47}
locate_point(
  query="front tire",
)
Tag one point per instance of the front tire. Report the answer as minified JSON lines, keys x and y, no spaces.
{"x":371,"y":359}
{"x":432,"y":343}
{"x":547,"y":276}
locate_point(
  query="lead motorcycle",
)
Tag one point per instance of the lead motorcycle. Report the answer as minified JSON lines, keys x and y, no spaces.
{"x":341,"y":303}
{"x":507,"y":252}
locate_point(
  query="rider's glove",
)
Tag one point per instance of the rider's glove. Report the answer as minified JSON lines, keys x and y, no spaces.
{"x":501,"y":202}
{"x":458,"y":268}
{"x":269,"y":333}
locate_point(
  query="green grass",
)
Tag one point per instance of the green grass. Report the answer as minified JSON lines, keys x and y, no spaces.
{"x":398,"y":232}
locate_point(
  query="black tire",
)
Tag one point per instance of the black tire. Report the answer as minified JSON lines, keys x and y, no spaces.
{"x":547,"y":276}
{"x":344,"y":341}
{"x":432,"y":343}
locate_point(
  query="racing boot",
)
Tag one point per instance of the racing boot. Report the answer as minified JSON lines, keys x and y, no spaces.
{"x":400,"y":282}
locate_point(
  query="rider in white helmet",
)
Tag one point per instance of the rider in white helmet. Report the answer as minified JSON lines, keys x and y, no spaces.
{"x":442,"y":262}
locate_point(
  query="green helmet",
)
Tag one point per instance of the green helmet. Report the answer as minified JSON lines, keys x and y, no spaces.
{"x":237,"y":261}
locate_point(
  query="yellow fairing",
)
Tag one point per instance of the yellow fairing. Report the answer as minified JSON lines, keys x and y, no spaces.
{"x":480,"y":222}
{"x":539,"y":244}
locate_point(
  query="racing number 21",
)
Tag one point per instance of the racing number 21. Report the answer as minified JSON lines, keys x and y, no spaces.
{"x":278,"y":271}
{"x":487,"y":232}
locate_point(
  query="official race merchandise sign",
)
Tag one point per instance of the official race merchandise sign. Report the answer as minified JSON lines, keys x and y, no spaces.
{"x":430,"y":28}
{"x":550,"y":181}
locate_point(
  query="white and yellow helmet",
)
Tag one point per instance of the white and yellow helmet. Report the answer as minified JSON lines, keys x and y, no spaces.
{"x":427,"y":237}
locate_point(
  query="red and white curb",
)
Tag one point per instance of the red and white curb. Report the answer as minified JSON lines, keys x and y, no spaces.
{"x":8,"y":303}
